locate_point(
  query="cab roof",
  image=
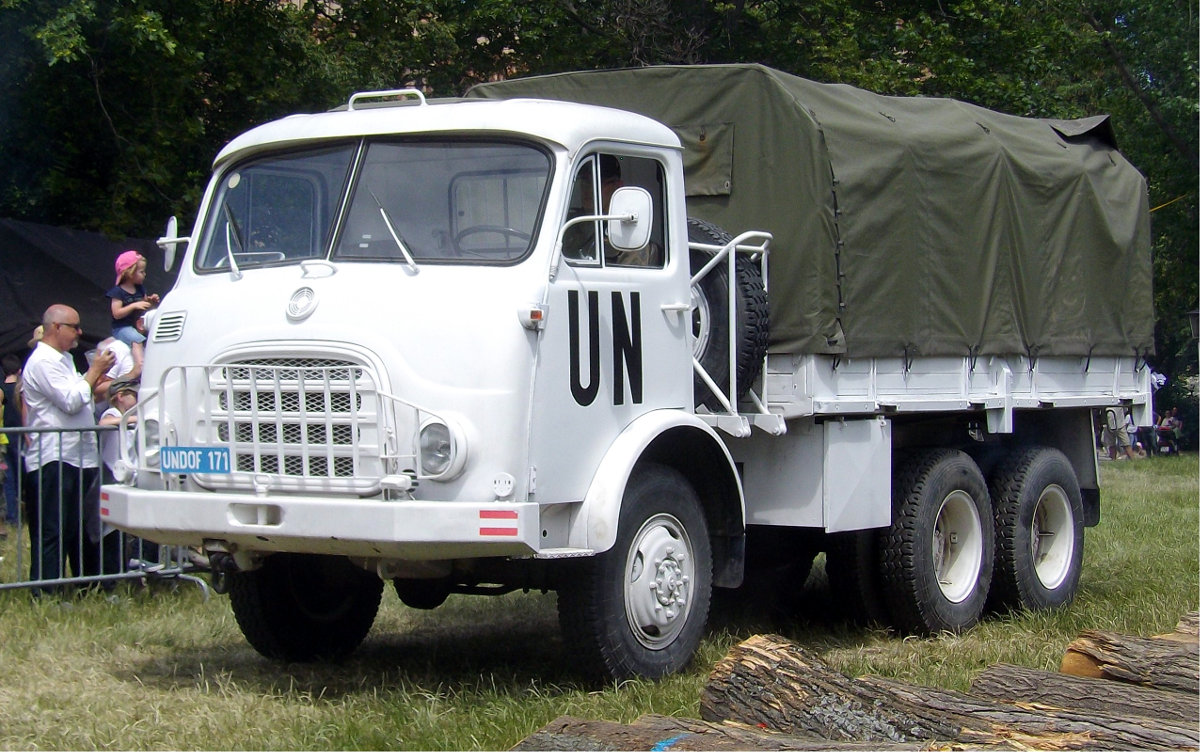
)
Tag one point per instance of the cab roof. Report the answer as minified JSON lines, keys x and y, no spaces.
{"x":567,"y":124}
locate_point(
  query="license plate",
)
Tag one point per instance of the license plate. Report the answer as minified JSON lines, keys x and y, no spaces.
{"x":180,"y":460}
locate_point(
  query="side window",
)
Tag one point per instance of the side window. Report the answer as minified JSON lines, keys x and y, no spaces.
{"x":596,"y":179}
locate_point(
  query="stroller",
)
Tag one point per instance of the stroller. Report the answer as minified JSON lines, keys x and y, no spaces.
{"x":1168,"y":443}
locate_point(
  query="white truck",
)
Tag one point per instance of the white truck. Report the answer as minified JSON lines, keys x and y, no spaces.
{"x":472,"y":346}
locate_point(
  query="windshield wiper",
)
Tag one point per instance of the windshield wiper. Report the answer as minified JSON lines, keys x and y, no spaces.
{"x":387,"y":221}
{"x":232,"y":231}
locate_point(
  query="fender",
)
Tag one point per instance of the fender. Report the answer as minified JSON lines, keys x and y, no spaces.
{"x":594,"y":527}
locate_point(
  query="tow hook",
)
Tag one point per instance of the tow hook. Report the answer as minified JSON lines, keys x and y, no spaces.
{"x":223,"y":565}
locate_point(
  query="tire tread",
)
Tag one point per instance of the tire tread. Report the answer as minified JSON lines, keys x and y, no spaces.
{"x":911,"y":606}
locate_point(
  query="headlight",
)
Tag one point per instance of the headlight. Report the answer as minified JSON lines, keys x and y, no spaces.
{"x":443,"y":450}
{"x":151,"y":441}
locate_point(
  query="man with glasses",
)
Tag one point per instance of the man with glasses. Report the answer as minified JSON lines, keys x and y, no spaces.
{"x":64,"y":463}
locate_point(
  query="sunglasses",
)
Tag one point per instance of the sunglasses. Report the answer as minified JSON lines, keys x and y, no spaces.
{"x":74,"y":326}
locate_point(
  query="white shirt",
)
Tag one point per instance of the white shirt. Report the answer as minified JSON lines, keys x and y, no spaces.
{"x":110,"y":441}
{"x":57,"y":396}
{"x":122,"y":364}
{"x":123,"y":358}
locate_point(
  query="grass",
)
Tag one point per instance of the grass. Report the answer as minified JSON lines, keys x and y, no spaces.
{"x":165,"y":669}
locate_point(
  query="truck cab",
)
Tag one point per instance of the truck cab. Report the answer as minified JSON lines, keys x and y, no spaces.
{"x":431,"y":342}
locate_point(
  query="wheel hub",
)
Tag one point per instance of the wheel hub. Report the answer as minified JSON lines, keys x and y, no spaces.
{"x":1051,"y":541}
{"x":670,"y":581}
{"x":957,"y":553}
{"x":658,"y":583}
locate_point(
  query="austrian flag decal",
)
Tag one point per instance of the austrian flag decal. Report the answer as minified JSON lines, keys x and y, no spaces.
{"x":490,"y":522}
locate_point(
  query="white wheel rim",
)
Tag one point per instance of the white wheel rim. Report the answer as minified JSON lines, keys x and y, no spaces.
{"x":701,"y":327}
{"x":957,"y":546}
{"x":1052,"y":537}
{"x":659,"y":572}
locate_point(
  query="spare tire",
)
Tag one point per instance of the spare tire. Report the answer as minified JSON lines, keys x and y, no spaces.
{"x":710,"y":317}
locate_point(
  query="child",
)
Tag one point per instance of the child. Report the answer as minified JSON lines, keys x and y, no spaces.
{"x":130,"y":301}
{"x":123,"y":397}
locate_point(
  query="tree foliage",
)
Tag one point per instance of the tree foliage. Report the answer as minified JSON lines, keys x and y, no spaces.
{"x":111,"y":111}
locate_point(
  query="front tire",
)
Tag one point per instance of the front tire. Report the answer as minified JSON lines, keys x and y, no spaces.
{"x":639,"y":609}
{"x":937,"y":554}
{"x":1039,"y":530}
{"x":304,"y":607}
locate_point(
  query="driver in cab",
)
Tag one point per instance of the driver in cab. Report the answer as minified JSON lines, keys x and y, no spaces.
{"x":579,"y":241}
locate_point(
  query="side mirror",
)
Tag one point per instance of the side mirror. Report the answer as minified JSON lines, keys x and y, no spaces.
{"x":633,"y":210}
{"x":169,"y":241}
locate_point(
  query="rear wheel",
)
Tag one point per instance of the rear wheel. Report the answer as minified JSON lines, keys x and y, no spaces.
{"x":1039,"y":530}
{"x":937,"y":554}
{"x":779,"y":561}
{"x":303,"y":607}
{"x":852,"y":567}
{"x":639,"y":609}
{"x":422,"y":594}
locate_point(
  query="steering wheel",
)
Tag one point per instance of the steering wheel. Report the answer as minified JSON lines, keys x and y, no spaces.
{"x":508,"y":232}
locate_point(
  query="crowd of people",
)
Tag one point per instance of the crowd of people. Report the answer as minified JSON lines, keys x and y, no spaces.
{"x":53,"y":471}
{"x":1121,"y":438}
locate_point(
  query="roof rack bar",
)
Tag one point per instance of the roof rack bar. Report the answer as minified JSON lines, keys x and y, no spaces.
{"x":386,"y":93}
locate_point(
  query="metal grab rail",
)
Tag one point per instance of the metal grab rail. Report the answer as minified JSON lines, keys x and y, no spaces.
{"x":752,"y":242}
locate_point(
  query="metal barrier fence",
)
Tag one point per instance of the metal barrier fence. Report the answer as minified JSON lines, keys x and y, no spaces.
{"x":55,"y":537}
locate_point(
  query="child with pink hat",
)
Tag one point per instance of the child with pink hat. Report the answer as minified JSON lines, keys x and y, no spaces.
{"x":130,"y":301}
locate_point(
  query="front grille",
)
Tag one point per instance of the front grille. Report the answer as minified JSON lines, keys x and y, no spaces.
{"x":313,"y":418}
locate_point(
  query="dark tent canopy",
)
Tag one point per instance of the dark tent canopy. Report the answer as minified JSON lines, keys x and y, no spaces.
{"x":44,"y":265}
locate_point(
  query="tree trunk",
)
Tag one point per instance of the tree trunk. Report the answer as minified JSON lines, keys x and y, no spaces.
{"x":988,"y":723}
{"x":1016,"y":684}
{"x":658,"y":732}
{"x":771,"y":681}
{"x":1164,"y":664}
{"x":1187,"y":630}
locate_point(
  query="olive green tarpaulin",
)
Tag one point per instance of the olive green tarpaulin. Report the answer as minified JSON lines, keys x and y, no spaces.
{"x":903,"y":226}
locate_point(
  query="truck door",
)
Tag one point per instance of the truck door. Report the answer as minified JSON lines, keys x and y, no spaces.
{"x":615,"y":343}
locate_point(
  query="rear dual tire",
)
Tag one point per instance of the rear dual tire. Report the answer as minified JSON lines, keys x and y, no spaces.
{"x":937,"y":555}
{"x":1039,"y":530}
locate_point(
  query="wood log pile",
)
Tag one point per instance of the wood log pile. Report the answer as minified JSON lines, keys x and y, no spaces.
{"x":1113,"y":691}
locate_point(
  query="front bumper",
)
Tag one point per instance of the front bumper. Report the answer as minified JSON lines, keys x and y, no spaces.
{"x":412,"y":530}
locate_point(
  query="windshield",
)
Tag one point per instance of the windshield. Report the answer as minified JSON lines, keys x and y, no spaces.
{"x":445,"y":201}
{"x":420,"y":200}
{"x":276,"y":209}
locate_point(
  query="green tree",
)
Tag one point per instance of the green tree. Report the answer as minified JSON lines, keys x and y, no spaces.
{"x":113,"y":111}
{"x":110,"y":112}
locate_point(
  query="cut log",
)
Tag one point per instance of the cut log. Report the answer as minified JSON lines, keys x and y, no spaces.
{"x":1004,"y":682}
{"x":986,"y":723}
{"x":770,"y":681}
{"x":1163,"y":664}
{"x":1187,"y":630}
{"x":659,"y":733}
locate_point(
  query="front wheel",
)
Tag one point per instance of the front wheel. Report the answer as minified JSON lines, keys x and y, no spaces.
{"x":639,"y":609}
{"x":1039,"y":530}
{"x":303,"y":607}
{"x":937,"y":554}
